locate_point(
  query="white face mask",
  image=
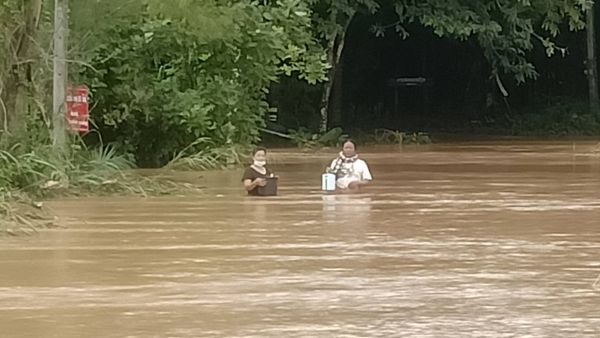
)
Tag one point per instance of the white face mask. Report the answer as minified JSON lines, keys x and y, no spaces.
{"x":260,"y":163}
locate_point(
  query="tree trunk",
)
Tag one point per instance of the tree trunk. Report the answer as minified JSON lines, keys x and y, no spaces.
{"x":327,"y":86}
{"x":60,"y":75}
{"x":592,"y":67}
{"x":335,"y":47}
{"x":336,"y":102}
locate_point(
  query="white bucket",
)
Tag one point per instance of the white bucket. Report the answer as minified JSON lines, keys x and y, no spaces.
{"x":328,"y":182}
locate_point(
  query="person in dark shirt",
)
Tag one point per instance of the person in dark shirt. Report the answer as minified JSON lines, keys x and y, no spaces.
{"x":256,"y":174}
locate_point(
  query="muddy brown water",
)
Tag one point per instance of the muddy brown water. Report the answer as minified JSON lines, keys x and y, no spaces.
{"x":495,"y":239}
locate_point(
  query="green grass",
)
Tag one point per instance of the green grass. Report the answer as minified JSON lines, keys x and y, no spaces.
{"x":204,"y":155}
{"x":29,"y":175}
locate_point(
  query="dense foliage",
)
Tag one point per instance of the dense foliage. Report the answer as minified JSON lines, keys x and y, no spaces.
{"x":160,"y":83}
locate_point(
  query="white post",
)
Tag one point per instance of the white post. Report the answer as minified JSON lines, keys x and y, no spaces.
{"x":60,"y":74}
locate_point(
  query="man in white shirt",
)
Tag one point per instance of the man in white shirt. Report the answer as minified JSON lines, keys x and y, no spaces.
{"x":350,"y":171}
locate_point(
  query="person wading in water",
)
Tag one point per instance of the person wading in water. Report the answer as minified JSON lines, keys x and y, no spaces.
{"x":255,"y":176}
{"x":350,"y":171}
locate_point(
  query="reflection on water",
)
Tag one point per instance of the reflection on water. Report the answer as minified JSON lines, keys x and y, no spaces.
{"x":348,"y":205}
{"x":492,"y":239}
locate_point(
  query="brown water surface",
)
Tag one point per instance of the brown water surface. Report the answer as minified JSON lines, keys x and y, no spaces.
{"x":491,"y":239}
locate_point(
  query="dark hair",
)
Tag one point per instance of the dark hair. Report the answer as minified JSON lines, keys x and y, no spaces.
{"x":349,"y":140}
{"x":257,"y":149}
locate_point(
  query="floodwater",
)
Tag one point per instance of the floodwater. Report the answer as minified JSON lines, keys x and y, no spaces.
{"x":494,"y":239}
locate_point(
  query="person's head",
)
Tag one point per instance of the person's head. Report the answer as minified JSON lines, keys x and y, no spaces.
{"x":259,"y":156}
{"x":349,"y":148}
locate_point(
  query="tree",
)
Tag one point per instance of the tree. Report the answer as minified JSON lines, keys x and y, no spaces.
{"x":331,"y":19}
{"x":195,"y":72}
{"x":19,"y":22}
{"x":505,"y":29}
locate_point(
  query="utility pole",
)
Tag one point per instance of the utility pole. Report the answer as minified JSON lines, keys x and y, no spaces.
{"x":60,"y":74}
{"x":592,"y":66}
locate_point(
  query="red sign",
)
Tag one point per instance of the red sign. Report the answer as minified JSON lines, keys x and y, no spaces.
{"x":76,"y":111}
